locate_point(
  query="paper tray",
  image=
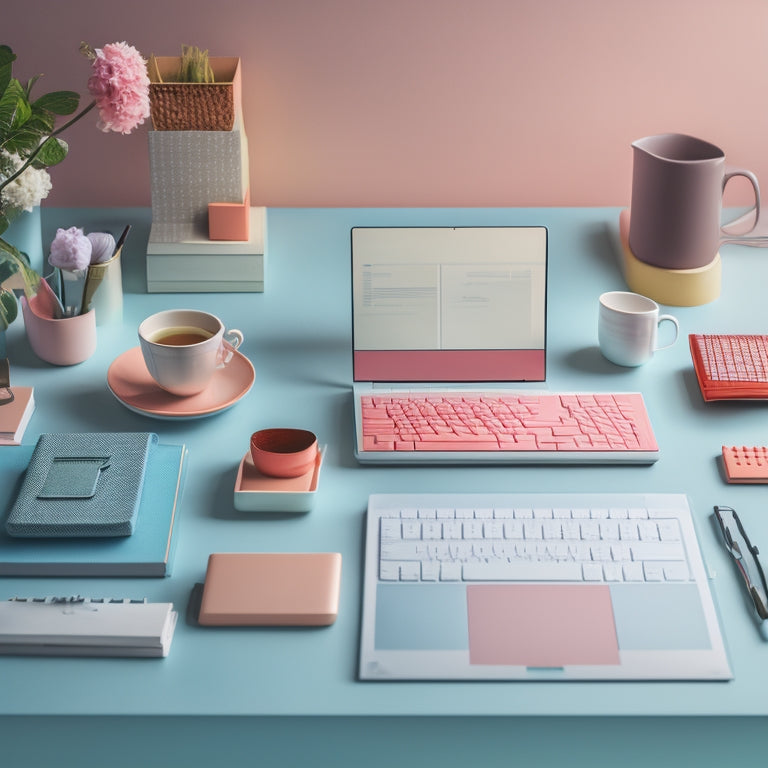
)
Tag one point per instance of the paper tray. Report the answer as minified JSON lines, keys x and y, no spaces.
{"x":255,"y":492}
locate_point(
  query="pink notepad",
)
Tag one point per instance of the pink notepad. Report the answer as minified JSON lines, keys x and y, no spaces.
{"x":281,"y":589}
{"x":15,"y":416}
{"x":541,"y":625}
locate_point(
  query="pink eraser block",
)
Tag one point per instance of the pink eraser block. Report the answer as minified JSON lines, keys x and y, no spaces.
{"x":230,"y":221}
{"x":746,"y":464}
{"x":277,"y":589}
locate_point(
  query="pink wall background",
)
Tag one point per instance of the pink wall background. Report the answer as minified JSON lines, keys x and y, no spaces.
{"x":427,"y":102}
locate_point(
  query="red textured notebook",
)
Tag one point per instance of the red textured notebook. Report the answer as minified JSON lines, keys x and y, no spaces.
{"x":731,"y":366}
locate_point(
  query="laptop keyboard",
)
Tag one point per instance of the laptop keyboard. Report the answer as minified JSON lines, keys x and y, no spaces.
{"x":581,"y":423}
{"x":478,"y":542}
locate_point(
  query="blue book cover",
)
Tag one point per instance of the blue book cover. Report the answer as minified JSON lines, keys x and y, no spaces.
{"x":147,"y":552}
{"x":82,"y":484}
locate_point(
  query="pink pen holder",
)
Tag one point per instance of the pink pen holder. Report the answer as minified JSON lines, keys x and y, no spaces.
{"x":283,"y":452}
{"x":64,"y":341}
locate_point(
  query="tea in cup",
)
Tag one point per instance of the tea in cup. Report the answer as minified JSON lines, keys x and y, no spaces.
{"x":183,"y":347}
{"x":627,"y":327}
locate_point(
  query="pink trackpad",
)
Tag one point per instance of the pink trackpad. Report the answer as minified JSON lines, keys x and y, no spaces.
{"x":541,"y":625}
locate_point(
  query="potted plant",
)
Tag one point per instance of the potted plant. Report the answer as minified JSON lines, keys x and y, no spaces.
{"x":194,"y":91}
{"x":29,"y":143}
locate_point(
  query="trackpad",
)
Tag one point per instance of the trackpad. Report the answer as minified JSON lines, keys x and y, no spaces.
{"x":541,"y":625}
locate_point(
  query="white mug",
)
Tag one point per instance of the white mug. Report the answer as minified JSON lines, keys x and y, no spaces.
{"x":183,"y":347}
{"x":628,"y":325}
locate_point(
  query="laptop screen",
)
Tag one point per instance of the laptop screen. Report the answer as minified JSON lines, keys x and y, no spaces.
{"x":449,"y":304}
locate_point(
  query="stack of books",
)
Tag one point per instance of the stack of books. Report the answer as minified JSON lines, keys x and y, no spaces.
{"x":205,"y":236}
{"x":79,"y":626}
{"x":182,"y":258}
{"x":147,"y":551}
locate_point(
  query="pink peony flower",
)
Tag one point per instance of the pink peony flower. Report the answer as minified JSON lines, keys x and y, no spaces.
{"x":70,"y":249}
{"x":120,"y":87}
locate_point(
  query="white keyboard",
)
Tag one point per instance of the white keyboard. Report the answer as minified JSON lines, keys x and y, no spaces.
{"x":536,"y":542}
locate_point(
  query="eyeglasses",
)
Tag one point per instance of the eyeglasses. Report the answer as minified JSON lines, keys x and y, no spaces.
{"x":745,"y":555}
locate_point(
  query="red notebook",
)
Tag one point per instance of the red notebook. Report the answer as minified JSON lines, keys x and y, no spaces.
{"x":731,"y":366}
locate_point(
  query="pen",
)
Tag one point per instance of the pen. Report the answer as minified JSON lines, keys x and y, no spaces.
{"x":746,"y":557}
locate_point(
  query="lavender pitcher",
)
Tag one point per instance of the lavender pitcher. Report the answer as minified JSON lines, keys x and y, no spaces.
{"x":677,"y":198}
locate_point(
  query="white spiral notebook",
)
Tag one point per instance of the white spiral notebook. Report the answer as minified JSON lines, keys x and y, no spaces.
{"x":76,"y":626}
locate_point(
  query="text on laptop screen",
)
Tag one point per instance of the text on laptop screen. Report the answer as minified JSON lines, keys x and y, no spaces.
{"x":449,"y":304}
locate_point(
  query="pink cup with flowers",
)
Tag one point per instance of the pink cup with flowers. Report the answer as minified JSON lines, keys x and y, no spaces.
{"x":62,"y":341}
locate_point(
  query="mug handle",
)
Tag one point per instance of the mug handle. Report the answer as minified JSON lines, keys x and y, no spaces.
{"x":674,"y":322}
{"x":750,"y":235}
{"x":231,"y":340}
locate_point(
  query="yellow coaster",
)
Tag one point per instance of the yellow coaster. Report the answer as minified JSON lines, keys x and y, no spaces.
{"x":675,"y":287}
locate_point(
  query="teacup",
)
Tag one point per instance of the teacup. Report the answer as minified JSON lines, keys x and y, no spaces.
{"x":183,"y":347}
{"x":627,"y":327}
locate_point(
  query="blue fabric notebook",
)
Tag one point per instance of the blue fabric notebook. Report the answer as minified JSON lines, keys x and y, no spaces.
{"x":148,"y":552}
{"x":82,"y":484}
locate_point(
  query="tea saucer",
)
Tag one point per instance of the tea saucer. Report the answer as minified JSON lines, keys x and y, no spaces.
{"x":129,"y":381}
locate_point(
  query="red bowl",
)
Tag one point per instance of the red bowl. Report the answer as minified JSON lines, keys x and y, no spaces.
{"x":283,"y":452}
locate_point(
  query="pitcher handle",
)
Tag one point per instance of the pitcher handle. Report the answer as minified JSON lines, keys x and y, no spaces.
{"x":753,"y":235}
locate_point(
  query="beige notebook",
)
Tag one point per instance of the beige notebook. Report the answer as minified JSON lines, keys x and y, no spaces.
{"x":278,"y":589}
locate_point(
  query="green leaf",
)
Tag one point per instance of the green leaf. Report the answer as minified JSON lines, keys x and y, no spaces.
{"x":14,"y":108}
{"x":9,"y":309}
{"x":12,"y":260}
{"x":58,"y":102}
{"x":31,"y":84}
{"x":53,"y":152}
{"x":7,"y":56}
{"x":23,"y":141}
{"x":42,"y":122}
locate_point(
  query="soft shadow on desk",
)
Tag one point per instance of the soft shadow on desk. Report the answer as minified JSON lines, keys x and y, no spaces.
{"x":591,"y":360}
{"x":20,"y":353}
{"x":96,"y":408}
{"x":603,"y":246}
{"x":305,"y":359}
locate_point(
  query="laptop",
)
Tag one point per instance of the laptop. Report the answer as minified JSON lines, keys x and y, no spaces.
{"x":464,"y":309}
{"x":454,"y":590}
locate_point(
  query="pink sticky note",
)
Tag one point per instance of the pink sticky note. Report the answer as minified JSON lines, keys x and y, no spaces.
{"x":541,"y":625}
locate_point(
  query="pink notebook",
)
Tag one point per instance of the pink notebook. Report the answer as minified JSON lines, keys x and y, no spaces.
{"x":261,"y":589}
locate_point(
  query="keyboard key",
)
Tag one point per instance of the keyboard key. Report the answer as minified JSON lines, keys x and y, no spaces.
{"x":410,"y":571}
{"x":450,"y":572}
{"x":592,"y":572}
{"x":522,"y":572}
{"x":390,"y":528}
{"x":430,"y":571}
{"x":662,"y":550}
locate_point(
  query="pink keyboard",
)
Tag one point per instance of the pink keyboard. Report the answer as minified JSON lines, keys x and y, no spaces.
{"x":588,"y":427}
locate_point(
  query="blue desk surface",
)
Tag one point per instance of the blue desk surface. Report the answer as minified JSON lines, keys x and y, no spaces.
{"x":298,"y":335}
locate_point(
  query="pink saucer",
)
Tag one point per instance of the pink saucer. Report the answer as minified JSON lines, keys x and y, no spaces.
{"x":129,"y":381}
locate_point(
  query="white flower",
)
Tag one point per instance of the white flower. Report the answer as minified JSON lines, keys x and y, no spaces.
{"x":28,"y":190}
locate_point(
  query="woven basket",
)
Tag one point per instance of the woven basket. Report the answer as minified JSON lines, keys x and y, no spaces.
{"x":196,"y":106}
